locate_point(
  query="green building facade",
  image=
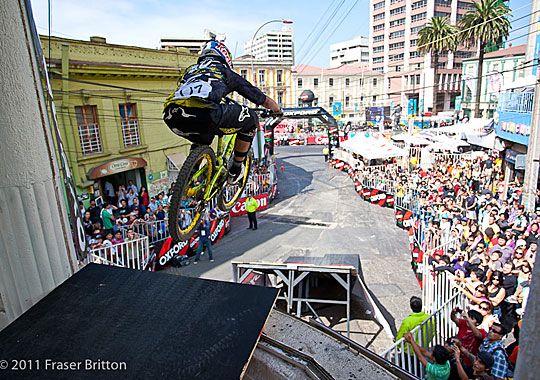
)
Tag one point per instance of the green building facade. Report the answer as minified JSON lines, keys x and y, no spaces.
{"x":109,"y":101}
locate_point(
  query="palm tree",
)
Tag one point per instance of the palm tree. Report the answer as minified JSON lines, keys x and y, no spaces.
{"x":437,"y":37}
{"x":487,"y":24}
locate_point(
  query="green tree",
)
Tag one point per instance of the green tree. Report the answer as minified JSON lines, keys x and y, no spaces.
{"x":487,"y":24}
{"x":437,"y":37}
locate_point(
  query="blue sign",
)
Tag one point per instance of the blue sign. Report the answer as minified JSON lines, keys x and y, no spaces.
{"x":422,"y":105}
{"x":150,"y":177}
{"x":336,"y":109}
{"x":411,"y":107}
{"x":514,"y":126}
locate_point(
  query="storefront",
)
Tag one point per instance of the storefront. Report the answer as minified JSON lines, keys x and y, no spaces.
{"x":118,"y":172}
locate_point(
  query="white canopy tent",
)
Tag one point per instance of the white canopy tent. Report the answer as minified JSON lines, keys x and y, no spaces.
{"x":372,"y":147}
{"x":415,"y":139}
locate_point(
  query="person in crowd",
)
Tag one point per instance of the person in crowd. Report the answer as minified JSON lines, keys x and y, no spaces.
{"x":144,"y":199}
{"x":132,"y":186}
{"x":436,"y":363}
{"x":412,"y":320}
{"x":204,"y":240}
{"x":492,"y":344}
{"x":88,"y":225}
{"x":95,"y":212}
{"x":117,"y":239}
{"x":109,"y":192}
{"x":107,"y":218}
{"x":469,"y":333}
{"x":130,"y":196}
{"x":496,"y":292}
{"x":481,"y":367}
{"x":251,"y":209}
{"x":153,"y":205}
{"x":121,"y":193}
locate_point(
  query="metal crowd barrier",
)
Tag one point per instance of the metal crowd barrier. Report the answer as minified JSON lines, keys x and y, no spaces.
{"x":132,"y":254}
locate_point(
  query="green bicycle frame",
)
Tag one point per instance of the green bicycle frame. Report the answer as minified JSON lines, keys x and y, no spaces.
{"x":227,"y":141}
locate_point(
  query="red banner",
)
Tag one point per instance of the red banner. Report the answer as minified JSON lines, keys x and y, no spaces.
{"x":240,"y":207}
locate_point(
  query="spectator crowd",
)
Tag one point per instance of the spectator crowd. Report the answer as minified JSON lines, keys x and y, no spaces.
{"x":473,"y":227}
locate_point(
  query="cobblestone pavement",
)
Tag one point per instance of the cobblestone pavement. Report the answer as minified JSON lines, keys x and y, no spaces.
{"x":318,"y":212}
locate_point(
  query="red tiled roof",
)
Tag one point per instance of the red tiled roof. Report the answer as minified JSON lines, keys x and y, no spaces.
{"x":508,"y":52}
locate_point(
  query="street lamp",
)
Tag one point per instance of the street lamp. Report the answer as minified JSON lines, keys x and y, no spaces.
{"x":283,"y":21}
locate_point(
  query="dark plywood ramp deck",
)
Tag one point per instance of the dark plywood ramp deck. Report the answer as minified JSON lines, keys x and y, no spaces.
{"x":159,"y":325}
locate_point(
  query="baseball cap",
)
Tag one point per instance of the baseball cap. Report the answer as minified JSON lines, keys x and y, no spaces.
{"x":486,"y":358}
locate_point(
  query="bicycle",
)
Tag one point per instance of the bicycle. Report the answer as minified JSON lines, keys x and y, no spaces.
{"x":203,"y":176}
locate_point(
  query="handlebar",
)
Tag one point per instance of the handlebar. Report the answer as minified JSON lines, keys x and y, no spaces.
{"x":266,"y":112}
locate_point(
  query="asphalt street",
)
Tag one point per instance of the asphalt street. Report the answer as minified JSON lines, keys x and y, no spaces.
{"x":318,"y":212}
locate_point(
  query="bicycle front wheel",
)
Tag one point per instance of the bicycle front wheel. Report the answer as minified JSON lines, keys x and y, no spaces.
{"x":187,"y":201}
{"x":230,"y":194}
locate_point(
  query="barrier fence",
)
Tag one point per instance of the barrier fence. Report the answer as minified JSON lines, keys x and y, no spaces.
{"x":435,"y":330}
{"x":132,"y":254}
{"x":154,"y":230}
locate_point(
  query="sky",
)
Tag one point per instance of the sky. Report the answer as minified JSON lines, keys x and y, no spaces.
{"x":144,"y":22}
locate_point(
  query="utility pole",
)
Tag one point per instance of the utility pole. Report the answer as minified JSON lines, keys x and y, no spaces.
{"x":533,"y":151}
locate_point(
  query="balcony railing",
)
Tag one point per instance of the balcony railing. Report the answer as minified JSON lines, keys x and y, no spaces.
{"x":521,"y":102}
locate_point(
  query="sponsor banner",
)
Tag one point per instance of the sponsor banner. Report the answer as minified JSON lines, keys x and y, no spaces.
{"x":317,"y":140}
{"x":166,"y":250}
{"x":389,"y":200}
{"x":404,"y":218}
{"x":366,"y":194}
{"x":378,"y":197}
{"x":240,"y":207}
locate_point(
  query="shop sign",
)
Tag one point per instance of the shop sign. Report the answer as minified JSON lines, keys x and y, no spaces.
{"x":514,"y":126}
{"x":116,"y":166}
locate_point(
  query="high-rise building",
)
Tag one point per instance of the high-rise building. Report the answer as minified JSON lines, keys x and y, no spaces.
{"x":394,"y":26}
{"x":354,"y":51}
{"x":277,"y":45}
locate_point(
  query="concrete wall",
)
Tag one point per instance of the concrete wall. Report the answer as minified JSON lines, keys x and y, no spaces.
{"x":36,"y":252}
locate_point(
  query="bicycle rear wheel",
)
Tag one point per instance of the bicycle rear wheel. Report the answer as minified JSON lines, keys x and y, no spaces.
{"x":187,"y":201}
{"x":230,"y":194}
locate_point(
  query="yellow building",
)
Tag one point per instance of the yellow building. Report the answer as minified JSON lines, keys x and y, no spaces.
{"x":109,"y":101}
{"x":274,"y":78}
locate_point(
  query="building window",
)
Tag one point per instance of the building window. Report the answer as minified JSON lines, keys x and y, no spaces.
{"x":378,"y":38}
{"x":243,"y":74}
{"x":347,"y":82}
{"x":418,"y":79}
{"x":378,"y":60}
{"x":389,"y":83}
{"x":396,"y":57}
{"x":280,"y":98}
{"x":441,"y":14}
{"x":393,"y":35}
{"x":418,"y":17}
{"x":399,"y":22}
{"x":397,"y":11}
{"x":419,"y":4}
{"x":347,"y":101}
{"x":445,"y":3}
{"x":376,"y":28}
{"x":130,"y":125}
{"x":331,"y":82}
{"x":374,"y":81}
{"x":414,"y":54}
{"x":299,"y":82}
{"x":331,"y":101}
{"x":413,"y":43}
{"x":315,"y":82}
{"x":378,"y":5}
{"x":374,"y":98}
{"x":378,"y":17}
{"x":463,"y":5}
{"x":279,"y":77}
{"x":416,"y":29}
{"x":261,"y":77}
{"x":397,"y":45}
{"x":378,"y":49}
{"x":88,"y":127}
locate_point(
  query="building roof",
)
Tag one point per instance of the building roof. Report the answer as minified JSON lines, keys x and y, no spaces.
{"x":350,"y":69}
{"x":501,"y":53}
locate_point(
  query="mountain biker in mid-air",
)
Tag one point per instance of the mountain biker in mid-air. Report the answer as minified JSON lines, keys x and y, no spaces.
{"x":197,"y":112}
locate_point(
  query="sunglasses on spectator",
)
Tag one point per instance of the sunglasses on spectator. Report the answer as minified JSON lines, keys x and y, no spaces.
{"x":485,"y":308}
{"x":495,"y":331}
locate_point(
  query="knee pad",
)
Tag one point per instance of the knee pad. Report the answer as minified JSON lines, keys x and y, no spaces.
{"x":246,"y":136}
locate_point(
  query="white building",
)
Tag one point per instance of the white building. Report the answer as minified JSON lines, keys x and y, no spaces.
{"x":355,"y":86}
{"x":276,"y":45}
{"x":354,"y":51}
{"x":192,"y":44}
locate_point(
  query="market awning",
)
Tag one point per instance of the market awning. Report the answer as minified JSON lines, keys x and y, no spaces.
{"x":116,"y":166}
{"x":372,"y":146}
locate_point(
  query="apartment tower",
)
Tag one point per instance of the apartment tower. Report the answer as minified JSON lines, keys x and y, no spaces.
{"x":394,"y":26}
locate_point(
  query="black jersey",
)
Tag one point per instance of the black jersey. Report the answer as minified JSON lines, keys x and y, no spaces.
{"x":205,"y":84}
